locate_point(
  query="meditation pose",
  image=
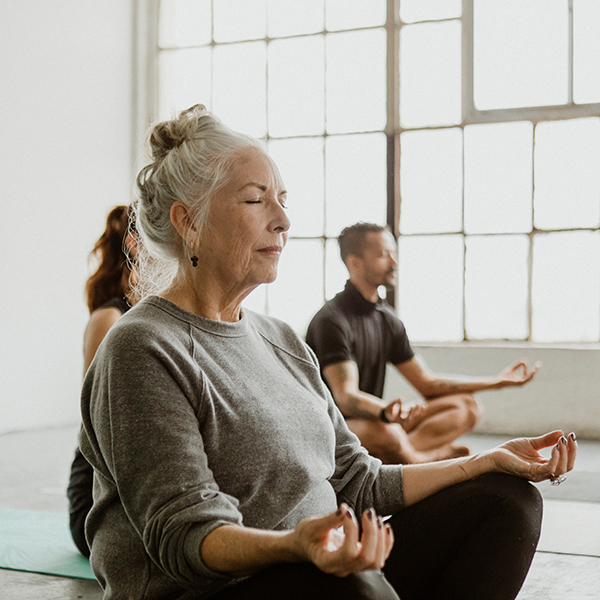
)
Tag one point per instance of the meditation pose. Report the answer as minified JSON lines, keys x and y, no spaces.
{"x":222,"y":466}
{"x":109,"y":296}
{"x":356,"y":334}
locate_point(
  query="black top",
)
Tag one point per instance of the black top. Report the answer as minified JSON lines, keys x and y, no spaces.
{"x":120,"y":304}
{"x":349,"y":327}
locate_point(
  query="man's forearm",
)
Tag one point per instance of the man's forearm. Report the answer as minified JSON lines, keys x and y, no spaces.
{"x":360,"y":405}
{"x":446,"y":386}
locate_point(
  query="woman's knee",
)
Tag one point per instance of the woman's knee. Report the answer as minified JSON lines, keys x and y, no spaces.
{"x":368,"y":585}
{"x":517,"y":499}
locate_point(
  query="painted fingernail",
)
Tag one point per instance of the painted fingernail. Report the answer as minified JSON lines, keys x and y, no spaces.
{"x":379,"y":522}
{"x":370,"y":514}
{"x":563,"y":439}
{"x":388,"y":529}
{"x":573,"y":436}
{"x":339,"y":511}
{"x":350,"y":514}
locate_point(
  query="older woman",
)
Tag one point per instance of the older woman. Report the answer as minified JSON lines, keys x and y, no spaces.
{"x":222,"y":466}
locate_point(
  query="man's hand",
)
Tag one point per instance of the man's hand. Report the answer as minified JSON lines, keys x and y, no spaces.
{"x":518,"y":374}
{"x":395,"y":414}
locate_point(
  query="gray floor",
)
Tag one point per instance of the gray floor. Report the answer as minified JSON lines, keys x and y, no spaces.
{"x":34,"y":471}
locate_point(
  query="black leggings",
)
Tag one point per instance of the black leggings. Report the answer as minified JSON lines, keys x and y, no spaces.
{"x":472,"y":541}
{"x":79,"y":493}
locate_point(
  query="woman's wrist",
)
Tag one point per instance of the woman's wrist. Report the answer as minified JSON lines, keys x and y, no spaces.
{"x":479,"y":464}
{"x":289,"y":548}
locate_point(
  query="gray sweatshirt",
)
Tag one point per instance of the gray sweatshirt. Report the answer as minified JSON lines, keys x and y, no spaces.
{"x":190,"y":424}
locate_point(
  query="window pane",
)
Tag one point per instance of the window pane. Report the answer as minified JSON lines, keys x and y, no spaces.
{"x":300,"y":162}
{"x":185,"y":80}
{"x":566,"y":287}
{"x":520,"y":53}
{"x":355,"y":176}
{"x":297,"y":294}
{"x":431,"y":181}
{"x":184,"y":23}
{"x":336,"y":273}
{"x":296,"y":86}
{"x":430,"y":74}
{"x":350,"y":14}
{"x":239,"y":20}
{"x":496,"y":287}
{"x":290,"y":17}
{"x":240,"y":82}
{"x":586,"y":51}
{"x":430,"y":287}
{"x":498,"y":177}
{"x":567,"y":174}
{"x":429,"y":10}
{"x":356,"y":81}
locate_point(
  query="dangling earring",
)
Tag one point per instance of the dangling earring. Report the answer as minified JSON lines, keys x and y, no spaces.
{"x":194,"y":260}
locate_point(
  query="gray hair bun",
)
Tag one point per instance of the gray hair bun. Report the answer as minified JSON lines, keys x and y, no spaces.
{"x":192,"y":156}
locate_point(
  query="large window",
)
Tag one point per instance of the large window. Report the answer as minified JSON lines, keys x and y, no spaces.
{"x":472,"y":128}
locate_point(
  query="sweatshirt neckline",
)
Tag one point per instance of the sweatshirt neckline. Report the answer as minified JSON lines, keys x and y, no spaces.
{"x":222,"y":328}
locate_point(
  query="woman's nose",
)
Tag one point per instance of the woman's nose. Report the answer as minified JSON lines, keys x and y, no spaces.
{"x":280,"y":220}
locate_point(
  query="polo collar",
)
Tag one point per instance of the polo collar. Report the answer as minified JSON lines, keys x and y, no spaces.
{"x":358,"y":301}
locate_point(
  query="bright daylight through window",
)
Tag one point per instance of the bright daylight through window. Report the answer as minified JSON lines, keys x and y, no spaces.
{"x":472,"y":128}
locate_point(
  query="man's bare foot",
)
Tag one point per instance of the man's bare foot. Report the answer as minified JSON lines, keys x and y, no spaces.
{"x":443,"y":453}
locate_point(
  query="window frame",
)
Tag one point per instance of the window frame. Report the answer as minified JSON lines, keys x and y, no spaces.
{"x":145,"y":107}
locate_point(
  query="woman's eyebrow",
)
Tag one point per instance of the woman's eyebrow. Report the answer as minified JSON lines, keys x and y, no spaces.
{"x":260,"y":186}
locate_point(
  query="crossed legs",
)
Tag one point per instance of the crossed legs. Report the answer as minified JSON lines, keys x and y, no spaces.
{"x":428,"y":438}
{"x":474,"y":541}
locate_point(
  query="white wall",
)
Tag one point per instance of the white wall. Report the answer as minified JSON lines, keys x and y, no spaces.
{"x":565,"y":393}
{"x":65,"y":158}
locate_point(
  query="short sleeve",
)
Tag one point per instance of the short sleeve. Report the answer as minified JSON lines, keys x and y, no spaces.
{"x":330,"y":338}
{"x":400,"y":348}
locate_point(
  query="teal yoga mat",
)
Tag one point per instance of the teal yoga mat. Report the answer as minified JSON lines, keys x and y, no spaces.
{"x":40,"y":542}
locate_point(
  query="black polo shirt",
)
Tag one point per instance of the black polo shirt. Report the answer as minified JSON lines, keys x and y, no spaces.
{"x":349,"y":327}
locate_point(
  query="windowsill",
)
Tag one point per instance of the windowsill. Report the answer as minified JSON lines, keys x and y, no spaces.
{"x":510,"y":344}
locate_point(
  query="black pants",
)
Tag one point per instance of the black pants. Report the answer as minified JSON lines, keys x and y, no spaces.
{"x":472,"y":541}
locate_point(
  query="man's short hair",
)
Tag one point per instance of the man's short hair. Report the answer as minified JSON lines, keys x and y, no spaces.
{"x":352,"y":238}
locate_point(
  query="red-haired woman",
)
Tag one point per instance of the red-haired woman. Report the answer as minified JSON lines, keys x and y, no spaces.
{"x":109,"y":296}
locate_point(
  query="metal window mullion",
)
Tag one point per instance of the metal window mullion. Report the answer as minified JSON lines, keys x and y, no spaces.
{"x":145,"y":73}
{"x":393,"y":201}
{"x":324,"y":136}
{"x":570,"y":65}
{"x":468,"y":61}
{"x":531,"y":242}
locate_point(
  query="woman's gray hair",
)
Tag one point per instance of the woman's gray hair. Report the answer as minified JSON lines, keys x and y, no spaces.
{"x":192,"y":156}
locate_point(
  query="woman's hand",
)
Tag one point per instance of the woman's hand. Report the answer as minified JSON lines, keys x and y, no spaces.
{"x":340,"y":553}
{"x":521,"y":457}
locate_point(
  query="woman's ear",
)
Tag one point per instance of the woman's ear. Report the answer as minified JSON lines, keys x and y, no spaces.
{"x":181,"y":218}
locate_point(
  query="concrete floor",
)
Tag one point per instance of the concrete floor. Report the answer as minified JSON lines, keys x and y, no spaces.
{"x":34,"y":470}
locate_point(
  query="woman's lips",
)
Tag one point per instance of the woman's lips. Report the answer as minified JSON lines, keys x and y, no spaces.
{"x":271,"y":250}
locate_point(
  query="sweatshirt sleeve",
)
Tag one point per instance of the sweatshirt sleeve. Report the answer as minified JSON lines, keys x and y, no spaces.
{"x":140,"y":406}
{"x":360,"y":479}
